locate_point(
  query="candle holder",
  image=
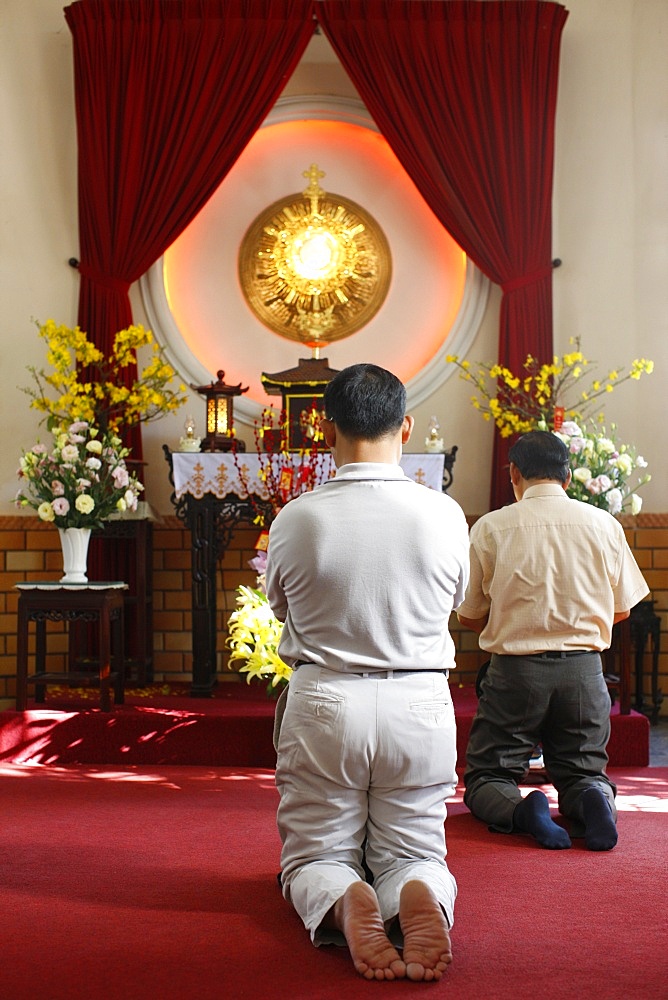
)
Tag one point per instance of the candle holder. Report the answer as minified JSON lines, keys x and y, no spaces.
{"x":189,"y":441}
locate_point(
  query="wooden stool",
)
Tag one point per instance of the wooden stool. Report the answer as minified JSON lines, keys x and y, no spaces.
{"x":92,"y":602}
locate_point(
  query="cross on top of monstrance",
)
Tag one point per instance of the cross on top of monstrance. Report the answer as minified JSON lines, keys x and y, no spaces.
{"x":313,"y":191}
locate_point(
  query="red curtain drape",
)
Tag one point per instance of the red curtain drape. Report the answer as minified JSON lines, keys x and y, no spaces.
{"x":465,"y":93}
{"x":168,"y":93}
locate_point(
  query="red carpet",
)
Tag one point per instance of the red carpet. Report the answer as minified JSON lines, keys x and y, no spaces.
{"x":159,"y":884}
{"x":234,"y":728}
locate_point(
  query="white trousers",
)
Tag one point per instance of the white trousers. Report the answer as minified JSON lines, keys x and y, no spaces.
{"x":364,"y":767}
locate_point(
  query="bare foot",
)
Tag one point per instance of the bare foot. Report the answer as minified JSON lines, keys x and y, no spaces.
{"x":357,"y":915}
{"x":427,"y":951}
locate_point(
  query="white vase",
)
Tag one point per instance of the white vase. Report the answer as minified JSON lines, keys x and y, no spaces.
{"x":74,"y":543}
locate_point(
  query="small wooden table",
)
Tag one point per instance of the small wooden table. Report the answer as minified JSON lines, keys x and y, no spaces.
{"x":41,"y":601}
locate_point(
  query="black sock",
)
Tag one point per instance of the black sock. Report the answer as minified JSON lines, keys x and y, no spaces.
{"x":532,"y":815}
{"x":600,"y":828}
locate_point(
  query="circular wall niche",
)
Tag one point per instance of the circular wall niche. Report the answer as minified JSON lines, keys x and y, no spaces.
{"x":193,"y":297}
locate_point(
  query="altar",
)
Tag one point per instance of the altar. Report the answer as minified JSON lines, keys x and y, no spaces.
{"x":216,"y":491}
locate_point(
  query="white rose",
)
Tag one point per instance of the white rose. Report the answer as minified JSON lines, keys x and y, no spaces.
{"x":613,"y":498}
{"x":636,"y":503}
{"x":583,"y":475}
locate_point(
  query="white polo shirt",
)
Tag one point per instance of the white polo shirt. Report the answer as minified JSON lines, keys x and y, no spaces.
{"x":365,"y":571}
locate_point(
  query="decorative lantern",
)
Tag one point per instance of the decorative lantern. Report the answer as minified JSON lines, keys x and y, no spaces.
{"x":220,"y":414}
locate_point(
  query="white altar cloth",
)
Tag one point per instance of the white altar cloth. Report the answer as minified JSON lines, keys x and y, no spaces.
{"x":221,"y":473}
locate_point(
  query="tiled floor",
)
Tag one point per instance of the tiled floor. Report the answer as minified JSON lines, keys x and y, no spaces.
{"x":658,"y":744}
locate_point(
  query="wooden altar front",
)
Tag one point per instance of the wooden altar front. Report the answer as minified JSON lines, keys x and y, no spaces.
{"x":213,"y":493}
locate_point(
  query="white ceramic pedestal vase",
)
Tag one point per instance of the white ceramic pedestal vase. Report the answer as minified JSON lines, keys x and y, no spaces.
{"x":74,"y":543}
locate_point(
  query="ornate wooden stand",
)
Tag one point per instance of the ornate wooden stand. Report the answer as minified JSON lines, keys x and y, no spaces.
{"x":211,"y":523}
{"x":629,"y":639}
{"x":42,"y":602}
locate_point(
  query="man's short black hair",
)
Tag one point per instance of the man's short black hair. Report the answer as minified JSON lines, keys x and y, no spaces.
{"x":541,"y":455}
{"x":365,"y":402}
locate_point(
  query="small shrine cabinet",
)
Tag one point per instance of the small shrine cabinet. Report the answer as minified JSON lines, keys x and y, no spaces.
{"x":301,"y":390}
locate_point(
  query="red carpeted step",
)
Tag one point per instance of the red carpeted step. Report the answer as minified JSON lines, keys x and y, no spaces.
{"x":232,"y":729}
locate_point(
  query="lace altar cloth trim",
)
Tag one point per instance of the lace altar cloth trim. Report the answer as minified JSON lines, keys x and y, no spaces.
{"x":219,"y":473}
{"x":55,"y":585}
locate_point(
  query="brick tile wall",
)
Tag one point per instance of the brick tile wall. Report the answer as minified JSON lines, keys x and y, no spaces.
{"x":30,"y":550}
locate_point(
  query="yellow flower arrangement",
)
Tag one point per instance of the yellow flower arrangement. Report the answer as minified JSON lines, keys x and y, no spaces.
{"x":253,"y":636}
{"x":542,"y":393}
{"x":89,"y":386}
{"x":551,"y":397}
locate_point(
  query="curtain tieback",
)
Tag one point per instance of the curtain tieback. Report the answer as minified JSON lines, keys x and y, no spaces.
{"x":105,"y":280}
{"x":526,"y":279}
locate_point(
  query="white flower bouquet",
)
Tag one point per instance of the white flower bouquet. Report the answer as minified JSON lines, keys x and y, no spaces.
{"x":603,"y":470}
{"x":80,"y":480}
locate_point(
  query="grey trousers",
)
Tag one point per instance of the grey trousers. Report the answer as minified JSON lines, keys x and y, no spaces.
{"x":562,"y":704}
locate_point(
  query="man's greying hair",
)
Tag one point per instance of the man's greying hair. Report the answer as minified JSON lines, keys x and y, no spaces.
{"x":541,"y":455}
{"x":365,"y":402}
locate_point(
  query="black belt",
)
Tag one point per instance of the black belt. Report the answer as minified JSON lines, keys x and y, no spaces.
{"x":562,"y":654}
{"x":382,"y":674}
{"x":377,"y":674}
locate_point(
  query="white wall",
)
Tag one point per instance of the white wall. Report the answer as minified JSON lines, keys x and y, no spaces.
{"x":610,"y":226}
{"x":611,"y":208}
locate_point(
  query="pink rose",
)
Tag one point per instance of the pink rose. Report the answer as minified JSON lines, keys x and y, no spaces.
{"x":60,"y":506}
{"x":120,"y":477}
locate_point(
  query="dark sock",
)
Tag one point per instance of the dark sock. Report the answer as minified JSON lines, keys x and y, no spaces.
{"x":600,"y":828}
{"x":532,"y":815}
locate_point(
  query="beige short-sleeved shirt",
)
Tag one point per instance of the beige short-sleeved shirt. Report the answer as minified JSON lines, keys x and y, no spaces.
{"x":551,"y":572}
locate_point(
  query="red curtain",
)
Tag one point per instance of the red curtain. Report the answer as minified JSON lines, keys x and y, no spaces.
{"x":465,"y":94}
{"x":168,"y":93}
